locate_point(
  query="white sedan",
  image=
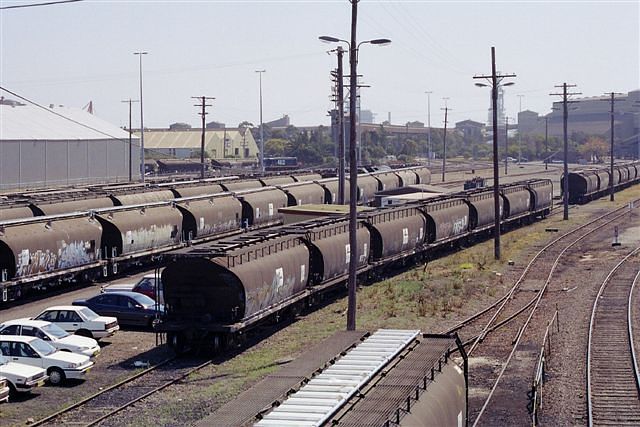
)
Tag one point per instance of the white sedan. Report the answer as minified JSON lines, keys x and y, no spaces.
{"x":81,"y":321}
{"x":59,"y":365}
{"x":54,"y":334}
{"x":21,"y":378}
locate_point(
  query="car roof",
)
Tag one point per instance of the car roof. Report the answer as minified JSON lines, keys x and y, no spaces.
{"x":63,"y":307}
{"x":123,"y":293}
{"x":26,"y":322}
{"x":21,"y":338}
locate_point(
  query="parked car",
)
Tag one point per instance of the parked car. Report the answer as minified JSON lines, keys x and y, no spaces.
{"x":21,"y":378}
{"x":54,"y":334}
{"x":60,"y":365}
{"x":81,"y":321}
{"x":4,"y":390}
{"x":130,"y":308}
{"x":146,"y":286}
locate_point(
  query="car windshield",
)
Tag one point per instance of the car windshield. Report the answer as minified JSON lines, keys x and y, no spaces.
{"x":143,"y":300}
{"x":42,"y":347}
{"x":87,"y":313}
{"x":55,"y":331}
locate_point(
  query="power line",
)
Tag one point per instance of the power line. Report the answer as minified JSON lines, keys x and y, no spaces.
{"x":49,"y":3}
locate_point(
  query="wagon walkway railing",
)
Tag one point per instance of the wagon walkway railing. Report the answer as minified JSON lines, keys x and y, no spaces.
{"x":535,"y":395}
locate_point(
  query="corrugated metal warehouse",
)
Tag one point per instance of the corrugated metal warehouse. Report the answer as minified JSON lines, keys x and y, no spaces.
{"x":61,"y":146}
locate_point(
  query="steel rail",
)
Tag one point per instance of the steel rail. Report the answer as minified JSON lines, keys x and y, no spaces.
{"x":591,"y":329}
{"x":101,"y":392}
{"x":511,"y":291}
{"x":533,"y":310}
{"x":149,"y":393}
{"x":636,"y":369}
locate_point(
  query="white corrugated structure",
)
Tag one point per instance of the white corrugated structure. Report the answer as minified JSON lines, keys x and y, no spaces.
{"x":61,"y":146}
{"x":326,"y":393}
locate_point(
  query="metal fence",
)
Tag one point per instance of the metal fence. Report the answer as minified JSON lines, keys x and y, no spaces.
{"x":535,"y":395}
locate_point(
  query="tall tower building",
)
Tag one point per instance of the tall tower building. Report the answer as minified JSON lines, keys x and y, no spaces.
{"x":501,"y":110}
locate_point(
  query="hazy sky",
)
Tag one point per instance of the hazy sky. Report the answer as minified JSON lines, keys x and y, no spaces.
{"x":72,"y":53}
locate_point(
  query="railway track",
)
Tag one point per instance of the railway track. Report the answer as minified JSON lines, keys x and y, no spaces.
{"x":517,"y":302}
{"x":613,"y":384}
{"x":100,"y":406}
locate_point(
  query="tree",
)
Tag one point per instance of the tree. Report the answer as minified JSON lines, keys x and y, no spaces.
{"x":276,"y":147}
{"x":593,"y":149}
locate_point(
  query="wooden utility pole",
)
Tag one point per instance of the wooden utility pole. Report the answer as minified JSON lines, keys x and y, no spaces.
{"x":611,"y":100}
{"x":546,"y":142}
{"x":495,"y":80}
{"x":203,"y":104}
{"x":565,"y":116}
{"x":341,"y":152}
{"x":130,"y":101}
{"x":444,"y":139}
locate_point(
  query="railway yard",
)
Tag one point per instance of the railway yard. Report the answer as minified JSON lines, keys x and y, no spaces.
{"x":545,"y":329}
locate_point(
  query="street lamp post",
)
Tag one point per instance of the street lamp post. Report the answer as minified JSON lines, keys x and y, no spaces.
{"x":429,"y":126}
{"x":261,"y":125}
{"x":494,"y":81}
{"x":142,"y":169}
{"x":353,"y":166}
{"x":130,"y":101}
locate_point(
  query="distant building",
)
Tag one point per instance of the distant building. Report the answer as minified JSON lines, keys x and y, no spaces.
{"x":215,"y":125}
{"x":528,"y":121}
{"x":501,"y":110}
{"x":219,"y":144}
{"x":282,"y":122}
{"x":179,"y":126}
{"x":367,"y":116}
{"x":471,"y":131}
{"x":591,"y":115}
{"x":62,"y":146}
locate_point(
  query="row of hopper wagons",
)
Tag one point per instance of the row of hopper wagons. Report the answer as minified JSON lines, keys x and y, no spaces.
{"x":215,"y":292}
{"x":41,"y":252}
{"x":589,"y":184}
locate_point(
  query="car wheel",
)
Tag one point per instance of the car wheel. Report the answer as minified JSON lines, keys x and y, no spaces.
{"x":56,"y":376}
{"x":84,"y":333}
{"x":12,"y":389}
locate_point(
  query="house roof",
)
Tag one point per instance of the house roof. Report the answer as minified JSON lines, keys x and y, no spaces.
{"x":29,"y":122}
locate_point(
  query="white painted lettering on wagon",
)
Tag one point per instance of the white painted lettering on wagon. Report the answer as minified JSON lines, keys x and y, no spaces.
{"x":347,"y":253}
{"x":405,"y":236}
{"x":279,"y":277}
{"x":303,"y":273}
{"x":460,"y":225}
{"x":270,"y":209}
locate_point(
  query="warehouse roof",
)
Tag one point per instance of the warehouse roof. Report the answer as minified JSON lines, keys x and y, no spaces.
{"x":28,"y":122}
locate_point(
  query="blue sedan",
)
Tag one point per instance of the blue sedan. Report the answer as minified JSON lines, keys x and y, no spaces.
{"x":130,"y":308}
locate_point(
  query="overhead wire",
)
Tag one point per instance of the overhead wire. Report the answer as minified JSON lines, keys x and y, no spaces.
{"x":48,"y":3}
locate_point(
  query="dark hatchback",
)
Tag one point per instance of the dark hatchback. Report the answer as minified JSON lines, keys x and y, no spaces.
{"x":130,"y":308}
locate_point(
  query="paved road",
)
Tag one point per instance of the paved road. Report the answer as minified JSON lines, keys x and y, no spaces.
{"x":33,"y":308}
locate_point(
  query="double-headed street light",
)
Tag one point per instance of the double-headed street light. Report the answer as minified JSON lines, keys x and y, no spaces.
{"x":353,"y":166}
{"x":341,"y":148}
